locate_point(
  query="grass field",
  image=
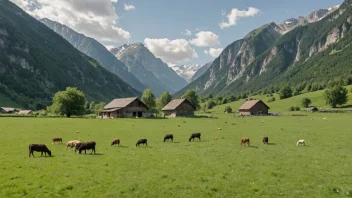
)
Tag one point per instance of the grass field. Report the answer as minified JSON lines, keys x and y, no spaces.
{"x":208,"y":168}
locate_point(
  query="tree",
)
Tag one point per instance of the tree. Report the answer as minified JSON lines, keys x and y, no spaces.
{"x":228,"y":109}
{"x":149,"y":99}
{"x":92,"y":106}
{"x":211,"y":104}
{"x":165,"y":98}
{"x":98,"y":108}
{"x":336,"y":96}
{"x":285,"y":92}
{"x":192,"y":97}
{"x":69,"y":102}
{"x":306,"y":102}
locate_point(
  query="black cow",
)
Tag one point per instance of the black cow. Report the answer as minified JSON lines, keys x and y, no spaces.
{"x":141,"y":141}
{"x":39,"y":148}
{"x":87,"y":146}
{"x":195,"y":135}
{"x":169,"y":137}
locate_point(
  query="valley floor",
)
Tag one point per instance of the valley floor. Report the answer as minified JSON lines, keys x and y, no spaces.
{"x":209,"y":168}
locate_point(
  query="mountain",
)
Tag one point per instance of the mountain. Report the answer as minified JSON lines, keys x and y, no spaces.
{"x":137,"y":56}
{"x":266,"y":59}
{"x":94,"y":49}
{"x":35,"y":63}
{"x":186,"y":72}
{"x":201,"y":71}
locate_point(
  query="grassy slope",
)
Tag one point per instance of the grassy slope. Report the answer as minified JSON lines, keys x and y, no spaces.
{"x":284,"y":105}
{"x":201,"y":169}
{"x":7,"y":102}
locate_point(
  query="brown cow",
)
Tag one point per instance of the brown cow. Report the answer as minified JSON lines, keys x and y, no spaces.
{"x":39,"y":148}
{"x":116,"y":142}
{"x":265,"y":140}
{"x":195,"y":135}
{"x":57,"y":139}
{"x":86,"y":146}
{"x":141,"y":141}
{"x":169,"y":137}
{"x":245,"y":141}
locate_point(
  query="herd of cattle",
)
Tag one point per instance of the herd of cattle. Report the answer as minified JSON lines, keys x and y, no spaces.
{"x":79,"y":146}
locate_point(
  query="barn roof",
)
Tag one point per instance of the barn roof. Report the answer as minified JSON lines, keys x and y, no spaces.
{"x":250,"y":104}
{"x":8,"y":109}
{"x":173,"y":104}
{"x":25,"y":112}
{"x":121,"y":103}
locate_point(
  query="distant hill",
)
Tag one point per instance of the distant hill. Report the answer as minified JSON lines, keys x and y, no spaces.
{"x":94,"y":49}
{"x":35,"y":62}
{"x":152,"y":71}
{"x":267,"y":59}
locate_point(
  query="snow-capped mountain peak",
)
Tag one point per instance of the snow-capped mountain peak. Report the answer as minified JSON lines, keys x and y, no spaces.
{"x":186,"y":72}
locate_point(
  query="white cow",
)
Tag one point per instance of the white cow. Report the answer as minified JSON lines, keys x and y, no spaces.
{"x":301,"y":142}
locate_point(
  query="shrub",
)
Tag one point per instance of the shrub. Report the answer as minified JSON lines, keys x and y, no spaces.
{"x":285,"y":92}
{"x":306,"y":102}
{"x":297,"y":108}
{"x":292,"y":108}
{"x":228,"y":109}
{"x":272,"y":99}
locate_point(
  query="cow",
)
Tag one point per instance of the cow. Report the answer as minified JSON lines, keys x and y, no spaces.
{"x":116,"y":142}
{"x":245,"y":141}
{"x":169,"y":137}
{"x":194,"y":135}
{"x":39,"y":148}
{"x":265,"y":140}
{"x":141,"y":141}
{"x":86,"y":146}
{"x":57,"y":139}
{"x":301,"y":143}
{"x":72,"y":144}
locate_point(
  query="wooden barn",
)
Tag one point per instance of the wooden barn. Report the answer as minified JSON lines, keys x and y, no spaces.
{"x":312,"y":109}
{"x":25,"y":112}
{"x":179,"y":107}
{"x":8,"y":110}
{"x":254,"y":107}
{"x":125,"y":108}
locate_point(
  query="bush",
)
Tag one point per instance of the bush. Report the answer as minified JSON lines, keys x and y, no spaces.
{"x":297,"y":108}
{"x":306,"y":102}
{"x":292,"y":108}
{"x":210,"y":104}
{"x":272,"y":99}
{"x":285,"y":92}
{"x":228,"y":109}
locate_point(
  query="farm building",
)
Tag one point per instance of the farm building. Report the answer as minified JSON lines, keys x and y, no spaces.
{"x":8,"y":110}
{"x":124,"y":108}
{"x":254,"y":107}
{"x":179,"y":107}
{"x":25,"y":112}
{"x":312,"y":109}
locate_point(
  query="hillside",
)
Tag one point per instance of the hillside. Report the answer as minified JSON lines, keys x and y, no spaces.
{"x":315,"y":52}
{"x":35,"y":62}
{"x":152,"y":71}
{"x":94,"y":49}
{"x":201,"y":71}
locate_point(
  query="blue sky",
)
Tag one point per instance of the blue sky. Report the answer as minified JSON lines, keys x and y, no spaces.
{"x":161,"y":24}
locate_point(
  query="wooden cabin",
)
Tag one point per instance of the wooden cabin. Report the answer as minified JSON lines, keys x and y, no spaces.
{"x":25,"y":112}
{"x":125,"y":108}
{"x":254,"y":107}
{"x":179,"y":107}
{"x":8,"y":110}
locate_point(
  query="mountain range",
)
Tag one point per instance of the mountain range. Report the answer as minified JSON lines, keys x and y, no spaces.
{"x":151,"y":71}
{"x":314,"y":51}
{"x":186,"y":72}
{"x":35,"y":62}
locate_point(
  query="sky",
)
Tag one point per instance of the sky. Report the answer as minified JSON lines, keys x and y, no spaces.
{"x":182,"y":32}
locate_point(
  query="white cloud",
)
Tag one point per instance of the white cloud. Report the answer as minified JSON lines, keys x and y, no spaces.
{"x":171,"y":51}
{"x":129,"y":7}
{"x":205,"y":39}
{"x":187,"y":32}
{"x":236,"y":14}
{"x":214,"y":52}
{"x":93,"y":18}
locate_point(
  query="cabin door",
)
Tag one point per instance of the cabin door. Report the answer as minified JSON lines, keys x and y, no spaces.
{"x":140,"y":114}
{"x":134,"y":114}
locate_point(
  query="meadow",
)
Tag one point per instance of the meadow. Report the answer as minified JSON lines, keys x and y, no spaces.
{"x":209,"y":168}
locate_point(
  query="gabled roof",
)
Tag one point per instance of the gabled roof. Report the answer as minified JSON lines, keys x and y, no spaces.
{"x":121,"y":103}
{"x":8,"y":109}
{"x":250,"y":104}
{"x":173,"y":104}
{"x":25,"y":112}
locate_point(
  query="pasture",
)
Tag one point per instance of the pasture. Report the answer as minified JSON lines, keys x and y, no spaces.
{"x":210,"y":168}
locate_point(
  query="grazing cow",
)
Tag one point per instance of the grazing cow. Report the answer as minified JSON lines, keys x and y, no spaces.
{"x":245,"y":141}
{"x":57,"y":139}
{"x":301,"y":143}
{"x":265,"y":140}
{"x":141,"y":141}
{"x":72,"y":144}
{"x":86,"y":146}
{"x":194,"y":135}
{"x":169,"y":137}
{"x":116,"y":142}
{"x":39,"y":148}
